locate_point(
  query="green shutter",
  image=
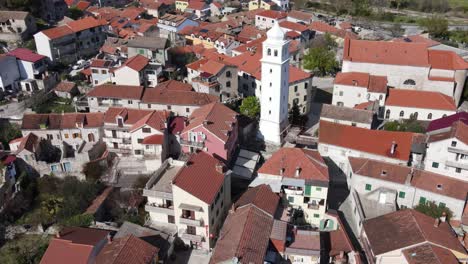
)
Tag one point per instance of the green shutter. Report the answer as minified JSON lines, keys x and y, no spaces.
{"x":368,"y":187}
{"x":442,"y":205}
{"x":318,"y":189}
{"x":308,"y":190}
{"x":316,"y":215}
{"x":322,"y":224}
{"x":291,"y":199}
{"x":402,"y":195}
{"x":422,"y":200}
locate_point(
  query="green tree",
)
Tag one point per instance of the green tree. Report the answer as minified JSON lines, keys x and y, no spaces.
{"x":321,"y":60}
{"x":295,"y":117}
{"x":8,"y":132}
{"x":74,"y":13}
{"x":433,"y":210}
{"x":436,"y":26}
{"x":26,"y":249}
{"x":250,"y":107}
{"x":83,"y":220}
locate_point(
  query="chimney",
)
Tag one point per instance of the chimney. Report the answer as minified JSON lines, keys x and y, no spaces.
{"x":354,"y":82}
{"x":109,"y":238}
{"x":409,"y":177}
{"x":393,"y":148}
{"x":205,"y":122}
{"x":220,"y":168}
{"x":298,"y":171}
{"x":436,"y":222}
{"x":443,"y":218}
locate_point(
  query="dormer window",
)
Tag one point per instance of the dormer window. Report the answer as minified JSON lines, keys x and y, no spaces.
{"x":453,"y":144}
{"x":439,"y":186}
{"x":383,"y":173}
{"x":120,"y":122}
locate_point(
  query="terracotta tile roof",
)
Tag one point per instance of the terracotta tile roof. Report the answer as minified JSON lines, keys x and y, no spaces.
{"x":304,"y":240}
{"x":292,"y":35}
{"x":378,"y":142}
{"x":384,"y":52}
{"x":339,"y":239}
{"x":245,"y":235}
{"x":345,"y":25}
{"x":293,"y":26}
{"x":155,"y":119}
{"x":153,"y":140}
{"x":426,"y":99}
{"x":311,"y":164}
{"x":82,"y":5}
{"x":83,"y":24}
{"x":26,"y":55}
{"x":198,"y":5}
{"x":75,"y":244}
{"x":98,"y":63}
{"x":346,"y":113}
{"x":260,"y":196}
{"x":300,"y":15}
{"x":447,"y":121}
{"x":326,"y":28}
{"x":405,"y":228}
{"x":57,"y":32}
{"x":418,"y":39}
{"x":212,"y":67}
{"x":249,"y":33}
{"x":132,"y":12}
{"x":117,"y":91}
{"x":136,"y":63}
{"x":273,"y":14}
{"x":458,"y":130}
{"x":29,"y":143}
{"x":215,"y":117}
{"x":176,"y":93}
{"x":65,"y":86}
{"x":62,"y":121}
{"x":126,"y":250}
{"x":425,"y":180}
{"x":428,"y":253}
{"x":446,"y":60}
{"x":200,"y":178}
{"x":98,"y":201}
{"x":130,"y":115}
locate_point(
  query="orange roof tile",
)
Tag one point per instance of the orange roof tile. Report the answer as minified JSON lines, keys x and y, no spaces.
{"x":136,"y":63}
{"x":293,"y":26}
{"x":378,"y":142}
{"x":426,"y":99}
{"x":273,"y":14}
{"x":83,"y":24}
{"x":117,"y":91}
{"x":376,"y":84}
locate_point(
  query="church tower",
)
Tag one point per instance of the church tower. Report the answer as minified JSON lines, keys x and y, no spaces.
{"x":275,"y":87}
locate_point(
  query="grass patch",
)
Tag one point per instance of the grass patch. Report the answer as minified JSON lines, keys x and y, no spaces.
{"x":25,"y":249}
{"x":55,"y":105}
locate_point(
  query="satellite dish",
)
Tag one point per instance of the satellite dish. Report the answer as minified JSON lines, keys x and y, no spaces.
{"x":235,"y":260}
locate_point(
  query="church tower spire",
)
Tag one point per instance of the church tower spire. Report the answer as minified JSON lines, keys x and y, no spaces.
{"x":274,"y":87}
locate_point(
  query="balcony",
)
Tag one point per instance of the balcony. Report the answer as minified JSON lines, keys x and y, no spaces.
{"x":157,"y":194}
{"x":314,"y":205}
{"x":119,"y":150}
{"x":192,"y":143}
{"x":159,"y":208}
{"x":457,"y":164}
{"x":293,"y":192}
{"x":191,"y":222}
{"x":457,"y":150}
{"x":191,"y":237}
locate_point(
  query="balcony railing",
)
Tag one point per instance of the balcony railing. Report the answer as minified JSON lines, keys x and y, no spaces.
{"x":159,"y":208}
{"x":191,"y":237}
{"x":457,"y":164}
{"x":157,"y":194}
{"x":190,"y":222}
{"x":457,"y":150}
{"x":293,"y":192}
{"x":192,"y":143}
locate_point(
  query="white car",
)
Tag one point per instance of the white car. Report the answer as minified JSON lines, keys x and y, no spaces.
{"x":79,"y":65}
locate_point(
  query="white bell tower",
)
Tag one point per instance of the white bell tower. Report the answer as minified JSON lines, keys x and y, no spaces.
{"x":275,"y":87}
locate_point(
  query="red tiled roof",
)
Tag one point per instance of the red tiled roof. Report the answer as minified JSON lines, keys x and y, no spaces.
{"x":418,"y":39}
{"x":117,"y":91}
{"x":98,"y":201}
{"x":428,"y":253}
{"x":135,"y":117}
{"x":245,"y":235}
{"x":82,"y":5}
{"x":155,"y":119}
{"x":74,"y":244}
{"x":200,"y":178}
{"x":136,"y":63}
{"x":425,"y":180}
{"x":57,"y":32}
{"x":215,"y":117}
{"x":176,"y":93}
{"x":65,"y":86}
{"x":62,"y":121}
{"x":260,"y":196}
{"x":376,"y":84}
{"x":446,"y":60}
{"x":293,"y":26}
{"x":126,"y":250}
{"x":300,"y":15}
{"x":378,"y":142}
{"x":273,"y":14}
{"x":153,"y":140}
{"x":197,"y":5}
{"x":26,"y":55}
{"x":408,"y":227}
{"x":384,"y":52}
{"x":83,"y":24}
{"x":459,"y":130}
{"x":425,"y":99}
{"x":29,"y":142}
{"x":326,"y":28}
{"x":98,"y":63}
{"x":311,"y":164}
